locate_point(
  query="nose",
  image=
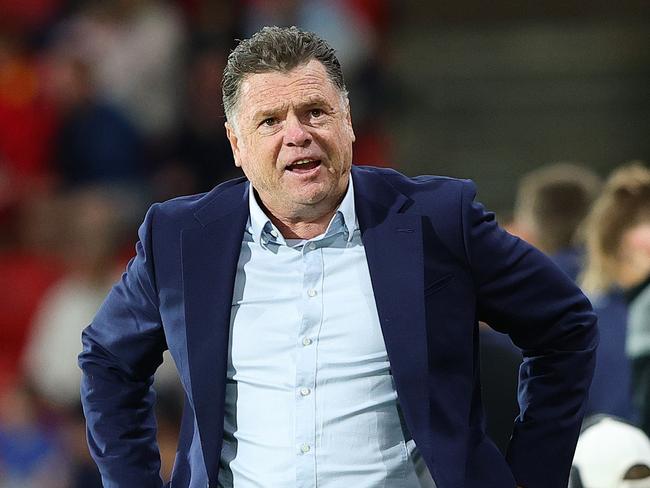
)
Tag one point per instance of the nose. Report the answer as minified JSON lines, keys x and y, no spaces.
{"x":296,"y":134}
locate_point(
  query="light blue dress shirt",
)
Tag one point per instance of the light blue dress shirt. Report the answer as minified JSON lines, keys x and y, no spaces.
{"x":310,"y":399}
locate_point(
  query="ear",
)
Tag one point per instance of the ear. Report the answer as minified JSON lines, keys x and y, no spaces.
{"x":234,"y":143}
{"x":348,"y":118}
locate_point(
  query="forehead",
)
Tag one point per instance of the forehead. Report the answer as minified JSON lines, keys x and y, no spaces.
{"x":260,"y":91}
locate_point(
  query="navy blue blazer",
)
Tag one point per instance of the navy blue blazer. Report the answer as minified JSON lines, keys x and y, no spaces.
{"x":438,"y":262}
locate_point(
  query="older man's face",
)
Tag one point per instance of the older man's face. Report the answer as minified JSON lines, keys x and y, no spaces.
{"x":293,"y":139}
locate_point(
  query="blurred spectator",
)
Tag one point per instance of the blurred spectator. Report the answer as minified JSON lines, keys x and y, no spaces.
{"x":29,"y":266}
{"x":96,"y":143}
{"x":27,"y":123}
{"x":83,"y":472}
{"x":30,"y":452}
{"x":95,"y":226}
{"x":335,"y":20}
{"x":611,"y":387}
{"x":213,"y":20}
{"x":611,"y":454}
{"x":135,"y":49}
{"x":94,"y":230}
{"x":28,"y":16}
{"x":619,"y":256}
{"x":552,"y":201}
{"x":615,"y":230}
{"x":201,"y":156}
{"x":638,"y":340}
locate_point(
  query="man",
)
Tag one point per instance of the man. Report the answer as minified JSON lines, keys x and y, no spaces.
{"x":552,"y":201}
{"x":323,"y":318}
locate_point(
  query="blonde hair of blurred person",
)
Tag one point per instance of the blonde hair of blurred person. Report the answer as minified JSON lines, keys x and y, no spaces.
{"x":614,"y":230}
{"x":552,"y":202}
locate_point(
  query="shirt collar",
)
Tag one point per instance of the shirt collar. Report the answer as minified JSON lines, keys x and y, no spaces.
{"x":262,"y":229}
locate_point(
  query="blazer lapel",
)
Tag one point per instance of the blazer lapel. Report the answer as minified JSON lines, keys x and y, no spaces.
{"x":392,"y":237}
{"x":210,"y":253}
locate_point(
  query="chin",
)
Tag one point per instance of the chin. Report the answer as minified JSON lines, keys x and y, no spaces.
{"x":309,"y":193}
{"x":310,"y":198}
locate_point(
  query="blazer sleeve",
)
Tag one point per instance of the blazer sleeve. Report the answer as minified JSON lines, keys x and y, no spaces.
{"x":122,"y":348}
{"x":522,"y":293}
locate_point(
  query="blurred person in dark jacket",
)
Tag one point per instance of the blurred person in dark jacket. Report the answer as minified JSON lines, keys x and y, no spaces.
{"x":552,"y":204}
{"x":96,"y":142}
{"x":93,"y":224}
{"x":618,"y":244}
{"x":31,"y":454}
{"x":30,"y":265}
{"x":552,"y":201}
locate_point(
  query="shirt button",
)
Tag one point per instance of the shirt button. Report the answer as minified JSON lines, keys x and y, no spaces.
{"x":305,"y":391}
{"x":305,"y":448}
{"x":306,"y":341}
{"x":311,"y":293}
{"x":311,"y":246}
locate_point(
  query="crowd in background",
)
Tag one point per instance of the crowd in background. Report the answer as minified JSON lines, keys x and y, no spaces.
{"x":599,"y":234}
{"x":106,"y":107}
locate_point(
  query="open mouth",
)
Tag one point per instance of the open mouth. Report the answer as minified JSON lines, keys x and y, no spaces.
{"x":303,"y":165}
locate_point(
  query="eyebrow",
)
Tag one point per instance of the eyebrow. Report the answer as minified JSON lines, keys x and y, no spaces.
{"x":309,"y":102}
{"x":263,"y":114}
{"x":315,"y":100}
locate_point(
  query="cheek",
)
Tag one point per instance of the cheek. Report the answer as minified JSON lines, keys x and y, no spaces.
{"x":266,"y":150}
{"x":639,"y":237}
{"x":344,"y":147}
{"x":261,"y":162}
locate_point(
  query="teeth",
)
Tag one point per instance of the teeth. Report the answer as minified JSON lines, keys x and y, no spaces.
{"x":302,"y":161}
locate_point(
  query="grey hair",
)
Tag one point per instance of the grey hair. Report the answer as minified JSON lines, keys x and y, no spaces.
{"x":276,"y":49}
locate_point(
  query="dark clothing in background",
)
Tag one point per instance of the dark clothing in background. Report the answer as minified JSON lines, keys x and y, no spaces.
{"x":611,"y":388}
{"x":639,"y":336}
{"x":98,"y":144}
{"x":569,"y":260}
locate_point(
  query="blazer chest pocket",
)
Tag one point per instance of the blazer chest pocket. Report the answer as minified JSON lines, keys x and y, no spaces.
{"x":437,"y":284}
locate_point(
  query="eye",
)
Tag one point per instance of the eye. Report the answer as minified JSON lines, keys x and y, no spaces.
{"x":316,"y":112}
{"x":269,"y":122}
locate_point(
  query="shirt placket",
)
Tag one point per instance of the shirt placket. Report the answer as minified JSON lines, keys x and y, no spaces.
{"x":306,"y":357}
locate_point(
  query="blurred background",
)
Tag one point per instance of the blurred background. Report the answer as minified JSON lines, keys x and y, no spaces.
{"x":107,"y":106}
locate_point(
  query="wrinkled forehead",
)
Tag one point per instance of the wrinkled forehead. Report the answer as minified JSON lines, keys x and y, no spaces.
{"x":310,"y":73}
{"x":305,"y":84}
